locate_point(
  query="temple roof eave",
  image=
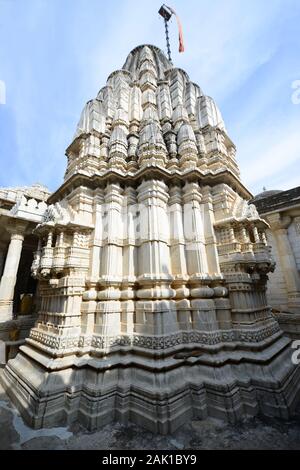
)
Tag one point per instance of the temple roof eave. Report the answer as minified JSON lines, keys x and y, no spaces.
{"x":234,"y":221}
{"x":225,"y":176}
{"x":45,"y":227}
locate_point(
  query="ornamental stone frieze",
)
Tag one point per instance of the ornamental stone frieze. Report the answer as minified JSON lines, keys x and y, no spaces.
{"x":152,"y":270}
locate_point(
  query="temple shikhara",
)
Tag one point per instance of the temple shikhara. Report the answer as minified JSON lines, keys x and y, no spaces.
{"x":151,"y":269}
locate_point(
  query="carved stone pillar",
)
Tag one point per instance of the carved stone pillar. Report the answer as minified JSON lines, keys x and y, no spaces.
{"x":177,"y":241}
{"x":255,"y":234}
{"x":96,"y":245}
{"x":154,"y":263}
{"x":178,"y":258}
{"x":244,"y":235}
{"x":209,"y":235}
{"x":8,"y":280}
{"x":109,"y":306}
{"x":129,"y":250}
{"x":155,"y":311}
{"x":194,"y":231}
{"x":131,"y":215}
{"x":2,"y":257}
{"x":231,"y":235}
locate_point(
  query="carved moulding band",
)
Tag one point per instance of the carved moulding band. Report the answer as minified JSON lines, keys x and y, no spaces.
{"x":150,"y":342}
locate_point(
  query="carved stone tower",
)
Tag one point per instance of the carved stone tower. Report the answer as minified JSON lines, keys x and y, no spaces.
{"x":152,"y":270}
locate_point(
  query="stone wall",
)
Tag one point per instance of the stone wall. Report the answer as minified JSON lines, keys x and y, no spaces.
{"x":294,"y":237}
{"x":276,"y":290}
{"x":281,"y":209}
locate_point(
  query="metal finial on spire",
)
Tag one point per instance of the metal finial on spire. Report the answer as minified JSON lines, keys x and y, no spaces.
{"x":166,"y":14}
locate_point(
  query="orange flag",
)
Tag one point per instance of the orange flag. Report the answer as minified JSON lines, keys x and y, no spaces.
{"x":181,"y":43}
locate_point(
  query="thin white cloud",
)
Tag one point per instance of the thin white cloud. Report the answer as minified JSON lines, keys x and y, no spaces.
{"x":223,"y":49}
{"x":2,"y":92}
{"x":269,"y":152}
{"x":288,"y":182}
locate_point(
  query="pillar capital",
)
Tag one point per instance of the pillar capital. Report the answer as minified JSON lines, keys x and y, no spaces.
{"x":192,"y":193}
{"x":130,"y":195}
{"x":175,"y":195}
{"x":17,"y":236}
{"x":16,"y":228}
{"x":150,"y":190}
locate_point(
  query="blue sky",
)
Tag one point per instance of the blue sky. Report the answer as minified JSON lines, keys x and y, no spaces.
{"x":56,"y":54}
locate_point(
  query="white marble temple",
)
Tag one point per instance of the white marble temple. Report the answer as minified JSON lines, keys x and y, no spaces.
{"x":152,"y":270}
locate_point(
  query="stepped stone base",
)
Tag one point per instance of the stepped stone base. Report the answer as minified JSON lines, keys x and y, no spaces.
{"x":158,"y":395}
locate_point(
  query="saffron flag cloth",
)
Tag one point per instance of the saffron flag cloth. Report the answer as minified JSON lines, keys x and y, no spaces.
{"x":181,"y":43}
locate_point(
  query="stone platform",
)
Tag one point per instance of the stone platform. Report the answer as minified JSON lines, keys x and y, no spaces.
{"x":207,"y":434}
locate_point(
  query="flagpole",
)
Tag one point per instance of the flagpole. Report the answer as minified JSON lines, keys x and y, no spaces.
{"x":166,"y":12}
{"x":168,"y":40}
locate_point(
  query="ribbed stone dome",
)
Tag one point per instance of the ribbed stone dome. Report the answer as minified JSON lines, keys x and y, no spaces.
{"x":265,"y":194}
{"x":136,"y":58}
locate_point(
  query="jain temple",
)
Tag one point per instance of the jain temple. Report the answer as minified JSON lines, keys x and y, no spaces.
{"x":138,"y":291}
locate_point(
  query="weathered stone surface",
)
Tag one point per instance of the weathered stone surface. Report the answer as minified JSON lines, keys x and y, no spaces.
{"x":254,"y":433}
{"x":152,"y":270}
{"x":281,"y":209}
